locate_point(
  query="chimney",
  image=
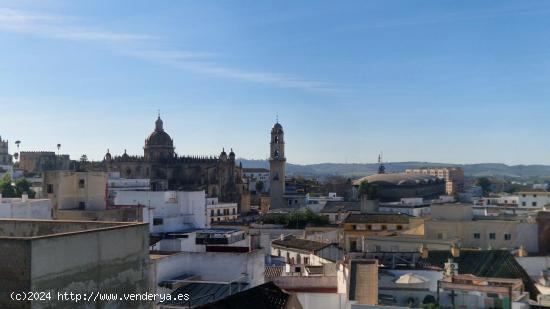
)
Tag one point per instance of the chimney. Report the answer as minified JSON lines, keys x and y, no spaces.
{"x":522,"y":252}
{"x":424,"y":251}
{"x":455,"y":251}
{"x":365,"y":272}
{"x":368,"y":205}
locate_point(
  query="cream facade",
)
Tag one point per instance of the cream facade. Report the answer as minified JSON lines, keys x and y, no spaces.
{"x":454,"y":177}
{"x":457,"y":222}
{"x":70,"y":190}
{"x":535,"y":199}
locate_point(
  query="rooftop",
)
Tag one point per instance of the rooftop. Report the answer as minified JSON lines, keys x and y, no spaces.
{"x":23,"y":229}
{"x":398,"y":179}
{"x":264,"y":296}
{"x":340,"y":206}
{"x":483,"y":263}
{"x":378,"y":218}
{"x":255,"y":170}
{"x":301,"y":244}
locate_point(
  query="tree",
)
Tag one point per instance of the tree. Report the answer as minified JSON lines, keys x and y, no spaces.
{"x":485,"y":184}
{"x":23,"y":186}
{"x":83,"y":158}
{"x":371,"y":190}
{"x":6,"y":187}
{"x":259,"y":186}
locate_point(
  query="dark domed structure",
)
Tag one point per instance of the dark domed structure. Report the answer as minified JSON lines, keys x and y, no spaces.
{"x":159,"y":145}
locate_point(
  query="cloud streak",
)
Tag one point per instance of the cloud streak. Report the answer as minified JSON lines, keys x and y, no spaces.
{"x":63,"y":28}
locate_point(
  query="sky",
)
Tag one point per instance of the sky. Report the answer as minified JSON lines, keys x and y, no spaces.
{"x":435,"y":81}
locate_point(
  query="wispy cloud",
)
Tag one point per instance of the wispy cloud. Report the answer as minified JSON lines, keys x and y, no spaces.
{"x":64,"y":28}
{"x":58,"y":27}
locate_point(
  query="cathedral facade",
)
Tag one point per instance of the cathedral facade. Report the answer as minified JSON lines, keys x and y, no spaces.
{"x":217,"y":176}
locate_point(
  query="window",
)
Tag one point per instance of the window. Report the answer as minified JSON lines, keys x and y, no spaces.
{"x":81,"y":183}
{"x":233,"y":210}
{"x":523,"y":195}
{"x":306,"y":260}
{"x":534,"y":204}
{"x":384,"y":227}
{"x":278,"y":252}
{"x":81,"y":205}
{"x":353,"y":227}
{"x":534,"y":195}
{"x":218,"y":212}
{"x":369,"y":227}
{"x":399,"y":227}
{"x":477,"y":235}
{"x":492,"y":236}
{"x":158,"y":221}
{"x":353,"y":246}
{"x":507,"y":236}
{"x":523,"y":204}
{"x":50,"y":188}
{"x":439,"y":235}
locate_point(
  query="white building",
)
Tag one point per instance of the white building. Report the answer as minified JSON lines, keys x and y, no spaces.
{"x":534,"y":199}
{"x":167,"y":211}
{"x":115,"y":184}
{"x":254,"y":175}
{"x":220,"y":212}
{"x":505,"y":200}
{"x":25,"y":208}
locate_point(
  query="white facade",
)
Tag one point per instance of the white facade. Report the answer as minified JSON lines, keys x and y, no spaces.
{"x":211,"y":266}
{"x":168,"y":211}
{"x":254,"y":175}
{"x":507,"y":200}
{"x":220,"y":212}
{"x":534,"y":199}
{"x":25,"y":208}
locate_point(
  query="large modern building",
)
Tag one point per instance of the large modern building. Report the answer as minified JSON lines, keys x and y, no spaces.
{"x":394,"y":187}
{"x":217,"y":176}
{"x":454,"y":177}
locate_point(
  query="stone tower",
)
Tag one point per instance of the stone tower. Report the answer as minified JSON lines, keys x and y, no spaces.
{"x":5,"y":157}
{"x":277,"y":162}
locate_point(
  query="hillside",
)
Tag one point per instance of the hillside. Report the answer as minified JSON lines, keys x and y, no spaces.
{"x":353,"y":170}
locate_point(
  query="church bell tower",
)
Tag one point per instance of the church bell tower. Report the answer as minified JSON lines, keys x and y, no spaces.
{"x":277,"y":162}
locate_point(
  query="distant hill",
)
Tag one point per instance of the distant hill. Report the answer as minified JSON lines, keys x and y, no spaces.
{"x":354,"y":170}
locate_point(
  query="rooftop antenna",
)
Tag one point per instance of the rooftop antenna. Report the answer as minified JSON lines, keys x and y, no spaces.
{"x":381,"y":167}
{"x":277,"y":118}
{"x":158,"y":112}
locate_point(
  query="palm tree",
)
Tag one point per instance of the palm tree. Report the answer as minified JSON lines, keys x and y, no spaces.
{"x":17,"y":142}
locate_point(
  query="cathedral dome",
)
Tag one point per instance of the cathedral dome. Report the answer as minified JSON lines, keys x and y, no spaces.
{"x":159,"y":137}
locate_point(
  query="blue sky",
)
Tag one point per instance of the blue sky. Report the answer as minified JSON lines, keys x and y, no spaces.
{"x":439,"y":81}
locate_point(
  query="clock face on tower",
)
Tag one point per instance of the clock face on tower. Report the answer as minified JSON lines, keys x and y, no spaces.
{"x":276,"y":154}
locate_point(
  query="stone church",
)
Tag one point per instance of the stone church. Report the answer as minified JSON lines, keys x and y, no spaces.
{"x":218,"y":176}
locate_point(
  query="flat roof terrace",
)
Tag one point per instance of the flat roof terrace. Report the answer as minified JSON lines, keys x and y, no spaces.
{"x":34,"y":229}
